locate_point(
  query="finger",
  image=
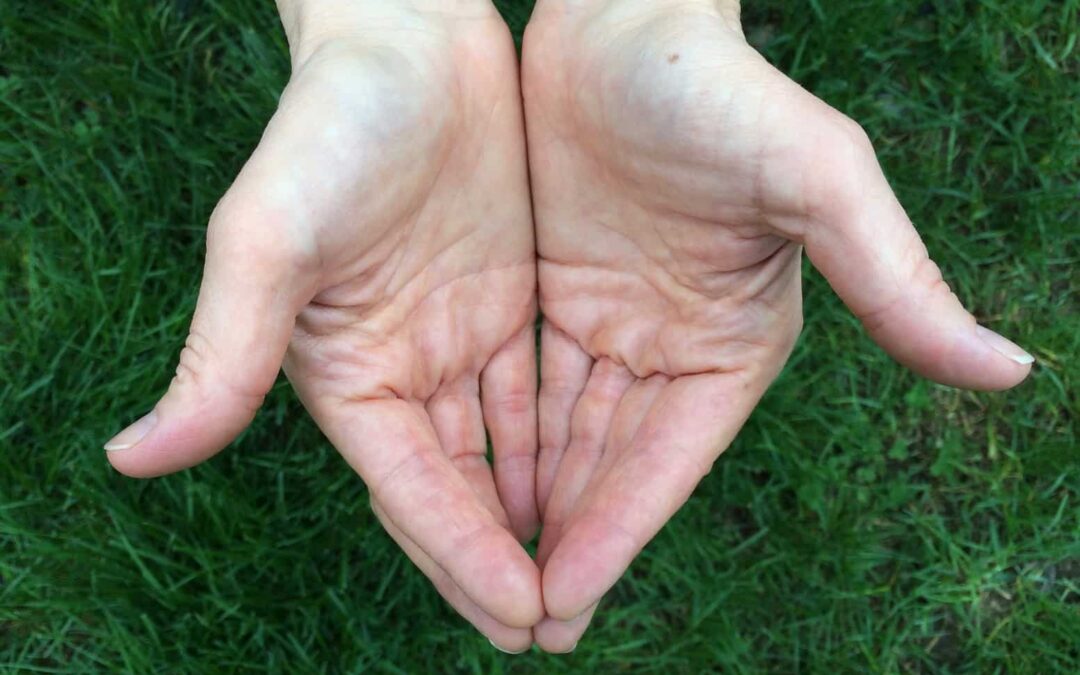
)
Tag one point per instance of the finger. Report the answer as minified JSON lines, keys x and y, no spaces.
{"x":564,"y":370}
{"x":689,"y":424}
{"x":867,"y":248}
{"x":507,"y":638}
{"x":562,"y":637}
{"x":508,"y":394}
{"x":392,"y":445}
{"x":459,"y":425}
{"x":589,"y":426}
{"x":251,"y":291}
{"x":632,"y":409}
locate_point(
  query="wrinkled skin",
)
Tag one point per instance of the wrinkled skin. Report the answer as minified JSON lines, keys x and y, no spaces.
{"x":379,"y":244}
{"x":676,"y":179}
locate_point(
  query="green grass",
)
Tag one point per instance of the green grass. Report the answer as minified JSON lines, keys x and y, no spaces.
{"x":865,"y":520}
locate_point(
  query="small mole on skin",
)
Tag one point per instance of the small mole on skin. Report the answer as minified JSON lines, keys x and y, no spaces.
{"x":672,"y":58}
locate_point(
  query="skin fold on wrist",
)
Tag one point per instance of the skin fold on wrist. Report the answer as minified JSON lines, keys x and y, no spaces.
{"x":726,"y":10}
{"x":311,"y":23}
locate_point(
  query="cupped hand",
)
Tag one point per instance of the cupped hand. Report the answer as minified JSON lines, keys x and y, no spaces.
{"x":676,"y":178}
{"x":379,"y":244}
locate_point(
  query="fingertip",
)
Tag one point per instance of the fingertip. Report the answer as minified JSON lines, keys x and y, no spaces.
{"x":1015,"y":362}
{"x":558,"y":609}
{"x":501,"y":636}
{"x":130,"y":465}
{"x":932,"y":333}
{"x":509,"y":588}
{"x":586,"y":561}
{"x":1004,"y":346}
{"x":123,"y":449}
{"x":563,"y":599}
{"x":171,"y":439}
{"x":531,"y":612}
{"x":562,"y":637}
{"x":519,"y":647}
{"x":976,"y":358}
{"x":524,"y":527}
{"x":527,"y":609}
{"x":130,"y":451}
{"x":133,"y":433}
{"x":513,"y":580}
{"x":147,"y":460}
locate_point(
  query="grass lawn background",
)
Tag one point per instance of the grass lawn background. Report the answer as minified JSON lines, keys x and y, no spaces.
{"x":864,"y":520}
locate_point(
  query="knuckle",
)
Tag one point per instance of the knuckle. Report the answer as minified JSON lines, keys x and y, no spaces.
{"x":200,"y":370}
{"x":518,"y":401}
{"x":850,"y":145}
{"x":409,"y":469}
{"x":192,"y":364}
{"x":522,"y":461}
{"x":555,"y":389}
{"x":924,"y":274}
{"x":586,"y":423}
{"x":256,"y":239}
{"x":848,"y":165}
{"x":855,"y":135}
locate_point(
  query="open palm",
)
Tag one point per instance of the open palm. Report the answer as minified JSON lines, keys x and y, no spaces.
{"x":676,"y":178}
{"x":379,"y":245}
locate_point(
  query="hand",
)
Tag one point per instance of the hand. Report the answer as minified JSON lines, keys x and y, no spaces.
{"x":676,"y":178}
{"x":380,"y":242}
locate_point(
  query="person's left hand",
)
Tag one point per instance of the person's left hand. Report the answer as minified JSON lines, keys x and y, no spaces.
{"x":676,"y":177}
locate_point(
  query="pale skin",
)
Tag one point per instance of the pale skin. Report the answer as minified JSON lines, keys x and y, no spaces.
{"x":379,"y":246}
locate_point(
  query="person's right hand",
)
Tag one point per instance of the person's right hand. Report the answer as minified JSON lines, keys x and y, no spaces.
{"x":380,"y":242}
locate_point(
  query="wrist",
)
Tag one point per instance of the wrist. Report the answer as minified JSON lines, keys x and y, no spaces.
{"x":727,"y":10}
{"x":310,"y":24}
{"x":593,"y":5}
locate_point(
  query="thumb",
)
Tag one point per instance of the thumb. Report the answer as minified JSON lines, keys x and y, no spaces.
{"x":867,"y":248}
{"x":250,"y":294}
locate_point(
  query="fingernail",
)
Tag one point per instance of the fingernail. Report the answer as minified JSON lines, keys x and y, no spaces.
{"x":506,"y":651}
{"x":130,"y":437}
{"x":1004,"y":346}
{"x":568,"y":651}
